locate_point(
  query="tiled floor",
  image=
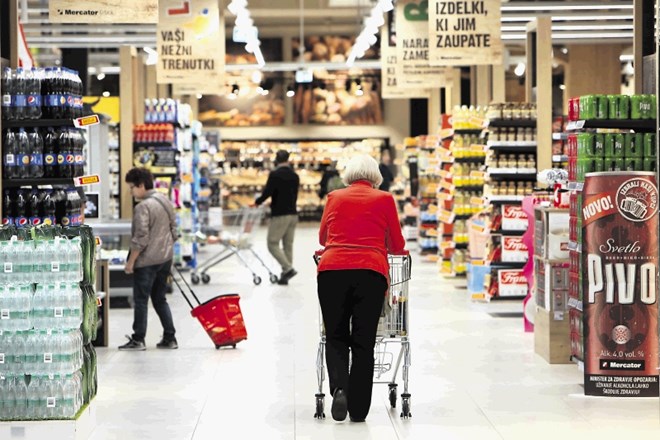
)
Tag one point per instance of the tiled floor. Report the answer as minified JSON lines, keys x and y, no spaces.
{"x":473,"y":376}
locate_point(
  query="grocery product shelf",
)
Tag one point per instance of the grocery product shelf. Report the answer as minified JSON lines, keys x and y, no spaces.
{"x":647,"y":125}
{"x":470,"y":159}
{"x":29,"y":123}
{"x":523,"y":123}
{"x":512,"y":145}
{"x":505,"y":199}
{"x":512,"y":176}
{"x":467,"y":131}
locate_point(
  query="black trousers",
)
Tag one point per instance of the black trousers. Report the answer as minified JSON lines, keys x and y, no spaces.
{"x":351,"y":303}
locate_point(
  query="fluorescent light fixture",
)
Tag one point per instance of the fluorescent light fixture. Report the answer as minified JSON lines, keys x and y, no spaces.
{"x":626,"y":57}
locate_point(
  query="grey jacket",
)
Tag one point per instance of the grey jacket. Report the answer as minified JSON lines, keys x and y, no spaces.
{"x":153,"y":230}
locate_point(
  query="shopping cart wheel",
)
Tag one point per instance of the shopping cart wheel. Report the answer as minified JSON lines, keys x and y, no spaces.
{"x":205,"y":278}
{"x":194,"y":278}
{"x":393,"y":395}
{"x":320,"y":404}
{"x":256,"y":280}
{"x":273,"y":278}
{"x":405,"y":406}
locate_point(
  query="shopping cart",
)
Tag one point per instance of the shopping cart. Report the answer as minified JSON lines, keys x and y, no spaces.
{"x":235,"y":240}
{"x":392,"y":330}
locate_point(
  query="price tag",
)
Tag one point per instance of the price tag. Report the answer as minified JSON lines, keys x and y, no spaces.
{"x":477,"y":174}
{"x":50,"y":402}
{"x":446,"y":216}
{"x":87,"y":180}
{"x":9,"y":267}
{"x":579,"y":124}
{"x":98,"y":240}
{"x":477,"y":147}
{"x":477,"y":122}
{"x":58,"y":312}
{"x":48,"y":358}
{"x":446,"y":132}
{"x":478,"y":262}
{"x":86,"y":121}
{"x":55,"y":266}
{"x":477,"y":201}
{"x":447,"y":245}
{"x":477,"y":228}
{"x":4,"y":314}
{"x":447,"y":185}
{"x":445,"y":197}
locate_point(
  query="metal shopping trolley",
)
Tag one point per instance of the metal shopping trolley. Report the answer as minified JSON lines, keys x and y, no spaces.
{"x":392,"y":330}
{"x":235,"y":239}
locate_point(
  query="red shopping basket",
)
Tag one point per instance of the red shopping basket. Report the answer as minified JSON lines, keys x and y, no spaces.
{"x":221,"y":316}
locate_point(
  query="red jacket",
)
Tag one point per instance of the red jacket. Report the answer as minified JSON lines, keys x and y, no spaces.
{"x":360,"y":226}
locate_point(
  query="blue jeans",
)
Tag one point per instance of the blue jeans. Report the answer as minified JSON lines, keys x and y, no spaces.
{"x":151,"y":281}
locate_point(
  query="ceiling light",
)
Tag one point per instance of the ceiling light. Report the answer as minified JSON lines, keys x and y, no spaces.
{"x":106,"y":94}
{"x":257,"y":76}
{"x":199,"y":96}
{"x":290,"y":93}
{"x":564,"y":50}
{"x":562,"y":86}
{"x":520,"y":69}
{"x":100,"y":76}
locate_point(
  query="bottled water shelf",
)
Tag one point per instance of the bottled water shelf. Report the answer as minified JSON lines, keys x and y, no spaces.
{"x":78,"y":429}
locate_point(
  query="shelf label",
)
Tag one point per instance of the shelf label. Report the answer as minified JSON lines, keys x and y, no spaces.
{"x":477,"y":228}
{"x":87,"y":180}
{"x":447,"y":245}
{"x":477,"y":174}
{"x":8,"y":267}
{"x":4,"y":314}
{"x":477,"y":147}
{"x":445,"y":174}
{"x":480,"y":296}
{"x":479,"y":201}
{"x":445,"y":197}
{"x":58,"y":312}
{"x":446,"y":132}
{"x":478,"y":262}
{"x":48,"y":358}
{"x":55,"y":266}
{"x":86,"y":121}
{"x":446,"y":216}
{"x":448,"y":186}
{"x":579,"y":124}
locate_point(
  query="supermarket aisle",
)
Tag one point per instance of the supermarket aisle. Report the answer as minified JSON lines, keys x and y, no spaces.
{"x":474,"y":376}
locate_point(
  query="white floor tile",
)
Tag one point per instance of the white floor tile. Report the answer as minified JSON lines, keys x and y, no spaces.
{"x":473,"y":376}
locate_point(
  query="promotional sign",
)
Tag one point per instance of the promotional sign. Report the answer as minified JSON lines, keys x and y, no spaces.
{"x":511,"y":282}
{"x":620,"y":254}
{"x":412,"y":48}
{"x":514,"y":218}
{"x":464,"y":33}
{"x":388,"y":60}
{"x":513,"y":249}
{"x":103,"y":11}
{"x":190,"y":44}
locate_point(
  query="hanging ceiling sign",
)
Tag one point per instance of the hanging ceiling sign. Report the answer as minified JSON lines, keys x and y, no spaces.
{"x":412,"y":48}
{"x":389,"y":87}
{"x":191,"y":47}
{"x":103,"y":11}
{"x":465,"y":33}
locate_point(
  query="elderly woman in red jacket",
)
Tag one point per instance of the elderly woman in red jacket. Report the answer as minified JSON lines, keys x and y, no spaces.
{"x":360,"y":226}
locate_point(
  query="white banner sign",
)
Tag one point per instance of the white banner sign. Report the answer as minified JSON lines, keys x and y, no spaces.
{"x":389,"y":87}
{"x":190,"y":43}
{"x":465,"y":33}
{"x":103,"y":11}
{"x":412,"y":48}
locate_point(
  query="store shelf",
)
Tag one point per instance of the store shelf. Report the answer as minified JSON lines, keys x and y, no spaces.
{"x":508,"y":232}
{"x":505,"y":199}
{"x":469,"y":188}
{"x":162,"y":145}
{"x":470,"y":159}
{"x":498,"y":174}
{"x":508,"y":297}
{"x":508,"y":265}
{"x":28,"y":123}
{"x":647,"y":125}
{"x":523,"y":123}
{"x":519,"y":146}
{"x":468,"y":131}
{"x":14,"y":183}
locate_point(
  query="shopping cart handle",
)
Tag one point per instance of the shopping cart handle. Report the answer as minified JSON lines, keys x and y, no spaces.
{"x":404,"y":252}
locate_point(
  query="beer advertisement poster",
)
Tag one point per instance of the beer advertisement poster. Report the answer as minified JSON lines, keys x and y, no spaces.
{"x":190,"y":49}
{"x":620,"y":254}
{"x":388,"y":60}
{"x":464,"y":33}
{"x":104,"y":11}
{"x":412,"y":48}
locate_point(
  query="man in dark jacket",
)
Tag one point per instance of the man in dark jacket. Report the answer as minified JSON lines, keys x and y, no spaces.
{"x":282,"y":188}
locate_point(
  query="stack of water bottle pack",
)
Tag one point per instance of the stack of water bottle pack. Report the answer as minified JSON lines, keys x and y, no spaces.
{"x":47,"y":362}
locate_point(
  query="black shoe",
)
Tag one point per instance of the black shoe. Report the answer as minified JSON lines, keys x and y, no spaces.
{"x":168,"y":344}
{"x":339,"y":405}
{"x":283,"y":282}
{"x":356,"y":420}
{"x":133,"y":345}
{"x":286,"y":276}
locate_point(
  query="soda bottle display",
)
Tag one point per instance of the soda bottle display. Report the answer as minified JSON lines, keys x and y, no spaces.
{"x":20,"y":209}
{"x":8,"y":209}
{"x":48,"y":208}
{"x":10,"y":155}
{"x":65,"y":154}
{"x":33,"y":93}
{"x":19,"y":90}
{"x":36,"y":166}
{"x":22,"y":154}
{"x":34,"y":208}
{"x":7,"y":92}
{"x":51,"y":168}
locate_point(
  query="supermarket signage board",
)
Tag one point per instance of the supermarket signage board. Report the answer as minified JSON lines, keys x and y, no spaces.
{"x":464,"y":33}
{"x":390,"y":88}
{"x":190,"y":44}
{"x":412,"y":48}
{"x":103,"y":11}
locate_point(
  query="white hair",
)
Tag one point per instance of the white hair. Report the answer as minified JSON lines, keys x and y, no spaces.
{"x":362,"y":167}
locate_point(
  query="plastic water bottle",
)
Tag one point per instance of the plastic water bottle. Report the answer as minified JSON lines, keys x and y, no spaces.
{"x":50,"y":396}
{"x":34,"y":399}
{"x":7,"y":317}
{"x":20,"y":348}
{"x":38,"y":257}
{"x":75,"y":260}
{"x":5,"y":314}
{"x":20,"y":398}
{"x":40,"y":348}
{"x":75,"y":304}
{"x":9,"y":403}
{"x":23,"y":305}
